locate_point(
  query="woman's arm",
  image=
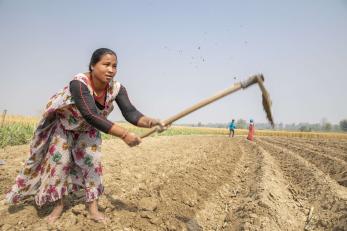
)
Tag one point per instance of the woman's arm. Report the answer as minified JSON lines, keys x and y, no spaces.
{"x":131,"y":114}
{"x":85,"y":103}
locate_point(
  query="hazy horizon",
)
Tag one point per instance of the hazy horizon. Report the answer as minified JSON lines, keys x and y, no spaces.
{"x":172,"y":54}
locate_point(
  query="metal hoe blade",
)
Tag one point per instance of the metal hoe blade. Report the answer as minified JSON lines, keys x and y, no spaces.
{"x":266,"y":101}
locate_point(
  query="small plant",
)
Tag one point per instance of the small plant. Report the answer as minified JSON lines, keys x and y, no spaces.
{"x":15,"y":134}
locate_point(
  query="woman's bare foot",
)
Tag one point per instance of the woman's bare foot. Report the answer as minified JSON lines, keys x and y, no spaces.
{"x":94,"y":213}
{"x":56,"y":212}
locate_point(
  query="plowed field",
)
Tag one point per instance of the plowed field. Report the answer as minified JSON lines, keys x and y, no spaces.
{"x":203,"y":183}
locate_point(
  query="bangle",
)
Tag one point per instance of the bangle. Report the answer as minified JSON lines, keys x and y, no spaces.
{"x":124,"y":135}
{"x":150,"y":124}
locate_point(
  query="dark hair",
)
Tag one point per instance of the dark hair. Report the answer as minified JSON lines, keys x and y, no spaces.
{"x":97,"y":55}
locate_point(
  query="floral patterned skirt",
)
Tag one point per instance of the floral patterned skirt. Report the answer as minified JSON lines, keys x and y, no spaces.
{"x":60,"y":161}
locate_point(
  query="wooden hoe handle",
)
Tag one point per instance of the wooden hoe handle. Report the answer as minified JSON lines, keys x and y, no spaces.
{"x":235,"y":87}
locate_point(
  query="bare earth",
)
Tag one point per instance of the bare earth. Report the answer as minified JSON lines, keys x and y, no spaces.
{"x":202,"y":183}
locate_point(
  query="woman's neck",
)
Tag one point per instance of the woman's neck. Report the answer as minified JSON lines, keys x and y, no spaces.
{"x":96,"y":83}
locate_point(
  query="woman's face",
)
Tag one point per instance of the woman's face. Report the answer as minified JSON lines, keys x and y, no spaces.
{"x":106,"y":68}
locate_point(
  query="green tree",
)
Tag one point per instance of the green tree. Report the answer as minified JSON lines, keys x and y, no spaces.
{"x":241,"y":123}
{"x":343,"y":125}
{"x":280,"y":126}
{"x":336,"y":127}
{"x":327,"y":126}
{"x":304,"y":128}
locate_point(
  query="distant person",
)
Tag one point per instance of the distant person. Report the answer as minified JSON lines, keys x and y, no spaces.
{"x":65,"y":150}
{"x":251,"y":130}
{"x":232,"y":128}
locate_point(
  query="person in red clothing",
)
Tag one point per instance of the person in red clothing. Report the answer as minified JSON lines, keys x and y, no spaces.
{"x":251,"y":130}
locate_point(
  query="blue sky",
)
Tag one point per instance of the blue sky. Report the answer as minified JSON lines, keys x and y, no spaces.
{"x":173,"y":54}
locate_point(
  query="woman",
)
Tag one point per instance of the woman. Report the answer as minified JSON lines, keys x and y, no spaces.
{"x":251,"y":130}
{"x":65,"y":150}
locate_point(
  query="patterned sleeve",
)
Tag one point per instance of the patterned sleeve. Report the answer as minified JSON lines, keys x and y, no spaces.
{"x":130,"y":113}
{"x":85,"y":103}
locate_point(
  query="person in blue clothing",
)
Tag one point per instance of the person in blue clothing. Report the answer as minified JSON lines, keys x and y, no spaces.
{"x":232,"y":128}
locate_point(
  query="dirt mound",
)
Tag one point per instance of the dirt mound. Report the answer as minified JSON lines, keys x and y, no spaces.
{"x":202,"y":183}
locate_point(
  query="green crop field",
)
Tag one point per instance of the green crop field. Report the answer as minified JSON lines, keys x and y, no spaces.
{"x":19,"y":130}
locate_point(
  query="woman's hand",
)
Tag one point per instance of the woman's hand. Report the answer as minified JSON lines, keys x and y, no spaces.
{"x":131,"y":139}
{"x":160,"y":126}
{"x":148,"y":122}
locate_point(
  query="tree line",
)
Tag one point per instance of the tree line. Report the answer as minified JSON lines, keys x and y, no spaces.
{"x":324,"y":125}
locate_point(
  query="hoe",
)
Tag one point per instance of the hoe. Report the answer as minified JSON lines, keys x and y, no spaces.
{"x":254,"y":79}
